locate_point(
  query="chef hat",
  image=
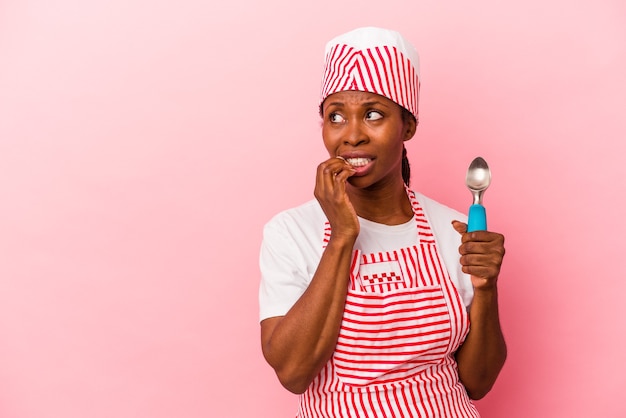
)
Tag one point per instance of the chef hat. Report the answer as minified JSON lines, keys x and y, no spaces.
{"x":374,"y":60}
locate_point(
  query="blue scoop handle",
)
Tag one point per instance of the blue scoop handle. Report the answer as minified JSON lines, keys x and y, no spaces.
{"x":477,"y":218}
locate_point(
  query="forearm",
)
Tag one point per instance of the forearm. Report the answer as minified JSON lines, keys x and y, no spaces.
{"x":483,"y":353}
{"x":299,"y":344}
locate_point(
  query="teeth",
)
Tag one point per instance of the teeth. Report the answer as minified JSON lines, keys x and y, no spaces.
{"x":358,"y":162}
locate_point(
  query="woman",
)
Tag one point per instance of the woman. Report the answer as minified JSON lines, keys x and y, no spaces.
{"x":368,"y":291}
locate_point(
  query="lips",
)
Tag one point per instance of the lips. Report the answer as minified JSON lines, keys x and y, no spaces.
{"x":358,"y":161}
{"x":361,"y":162}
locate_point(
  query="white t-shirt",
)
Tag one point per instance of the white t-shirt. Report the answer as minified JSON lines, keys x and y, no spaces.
{"x":294,"y":240}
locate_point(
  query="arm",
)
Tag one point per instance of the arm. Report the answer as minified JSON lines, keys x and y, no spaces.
{"x":299,"y":344}
{"x":483,"y":353}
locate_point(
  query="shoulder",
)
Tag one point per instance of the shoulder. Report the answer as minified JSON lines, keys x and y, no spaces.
{"x":438,"y":211}
{"x":302,"y":227}
{"x":440,"y":218}
{"x":307,"y":214}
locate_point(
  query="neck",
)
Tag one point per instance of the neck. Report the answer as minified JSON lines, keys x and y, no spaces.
{"x":387,"y":205}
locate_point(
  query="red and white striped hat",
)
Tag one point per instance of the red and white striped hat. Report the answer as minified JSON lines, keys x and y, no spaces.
{"x":374,"y":60}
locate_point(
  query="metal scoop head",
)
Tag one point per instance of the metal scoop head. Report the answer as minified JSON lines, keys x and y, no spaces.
{"x":478,"y":178}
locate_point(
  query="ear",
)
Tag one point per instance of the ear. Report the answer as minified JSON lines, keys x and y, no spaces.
{"x":410,"y":126}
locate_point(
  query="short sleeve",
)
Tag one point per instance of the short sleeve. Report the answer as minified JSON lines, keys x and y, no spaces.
{"x":284,"y":276}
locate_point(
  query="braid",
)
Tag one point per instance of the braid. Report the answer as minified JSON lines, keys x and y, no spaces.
{"x":406,"y":168}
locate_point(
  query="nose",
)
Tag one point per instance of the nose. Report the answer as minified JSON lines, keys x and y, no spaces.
{"x":355,"y":134}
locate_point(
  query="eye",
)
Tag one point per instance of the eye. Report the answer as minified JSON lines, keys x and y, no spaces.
{"x":335,"y":118}
{"x":373,"y":115}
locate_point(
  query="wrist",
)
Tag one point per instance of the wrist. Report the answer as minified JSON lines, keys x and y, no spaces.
{"x":340,"y":240}
{"x":486,"y":293}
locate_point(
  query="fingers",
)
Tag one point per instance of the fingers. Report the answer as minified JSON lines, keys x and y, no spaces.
{"x":459,"y":227}
{"x":481,"y":265}
{"x":488,"y":245}
{"x":333,"y":173}
{"x":330,"y":191}
{"x":481,"y":253}
{"x":330,"y":184}
{"x":338,"y":166}
{"x":475,"y":236}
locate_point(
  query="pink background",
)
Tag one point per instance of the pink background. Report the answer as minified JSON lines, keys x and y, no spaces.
{"x":143,"y":145}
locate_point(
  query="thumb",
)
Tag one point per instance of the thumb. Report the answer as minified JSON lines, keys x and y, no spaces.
{"x":459,"y":227}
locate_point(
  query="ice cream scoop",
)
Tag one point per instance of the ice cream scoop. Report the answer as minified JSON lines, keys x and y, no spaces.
{"x":477,"y":180}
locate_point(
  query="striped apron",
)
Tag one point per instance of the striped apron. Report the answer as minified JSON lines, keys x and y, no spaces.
{"x":403,"y":321}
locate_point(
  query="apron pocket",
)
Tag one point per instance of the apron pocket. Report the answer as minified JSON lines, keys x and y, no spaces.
{"x":391,"y":336}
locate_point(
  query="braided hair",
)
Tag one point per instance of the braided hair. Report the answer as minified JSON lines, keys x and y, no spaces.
{"x":406,"y":167}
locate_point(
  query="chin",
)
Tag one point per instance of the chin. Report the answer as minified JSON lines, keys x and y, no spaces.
{"x":360,"y":182}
